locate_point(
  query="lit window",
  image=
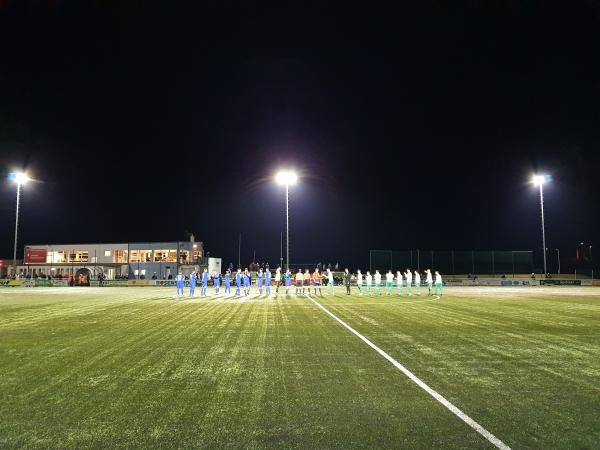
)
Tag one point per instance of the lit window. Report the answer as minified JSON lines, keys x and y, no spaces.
{"x":134,"y":256}
{"x":165,"y":255}
{"x":120,"y":256}
{"x":106,"y":252}
{"x":141,"y":256}
{"x":184,"y":257}
{"x":55,"y":257}
{"x":77,"y":256}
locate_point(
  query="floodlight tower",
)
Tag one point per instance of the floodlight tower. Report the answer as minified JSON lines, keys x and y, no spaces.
{"x":19,"y":178}
{"x":287,"y":178}
{"x":540,"y":180}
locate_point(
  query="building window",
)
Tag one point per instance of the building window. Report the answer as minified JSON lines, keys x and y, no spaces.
{"x":165,"y":255}
{"x":106,"y":252}
{"x":120,"y":256}
{"x":78,"y":256}
{"x":184,"y":257}
{"x":141,"y":256}
{"x":134,"y":256}
{"x":56,"y":258}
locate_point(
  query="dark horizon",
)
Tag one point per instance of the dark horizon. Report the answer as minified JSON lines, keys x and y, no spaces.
{"x":411,"y":127}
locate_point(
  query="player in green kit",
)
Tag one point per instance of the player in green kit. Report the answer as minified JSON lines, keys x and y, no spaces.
{"x":330,"y":282}
{"x":408,"y":276}
{"x":429,"y":281}
{"x":377,"y":282}
{"x":418,"y":282}
{"x":389,"y":282}
{"x":359,"y":281}
{"x":399,"y":282}
{"x":438,"y":283}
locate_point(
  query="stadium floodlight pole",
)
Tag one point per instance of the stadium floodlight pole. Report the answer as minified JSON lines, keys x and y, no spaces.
{"x":287,"y":178}
{"x":19,"y":178}
{"x":558,"y":258}
{"x":540,"y":180}
{"x":240,"y":251}
{"x":281,"y":249}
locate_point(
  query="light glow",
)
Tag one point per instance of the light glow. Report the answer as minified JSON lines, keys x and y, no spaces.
{"x":286,"y":177}
{"x":539,"y":180}
{"x":18,"y":177}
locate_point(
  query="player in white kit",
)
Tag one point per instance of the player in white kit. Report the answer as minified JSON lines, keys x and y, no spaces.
{"x":359,"y":281}
{"x":377,"y":282}
{"x":399,"y":282}
{"x":429,"y":281}
{"x":438,"y":283}
{"x":389,"y":282}
{"x":418,"y":282}
{"x":408,"y":276}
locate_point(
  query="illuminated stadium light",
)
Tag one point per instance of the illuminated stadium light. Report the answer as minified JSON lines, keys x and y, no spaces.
{"x":539,"y":180}
{"x":286,"y":177}
{"x":18,"y":177}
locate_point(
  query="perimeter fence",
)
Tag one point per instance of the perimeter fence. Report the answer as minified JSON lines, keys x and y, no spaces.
{"x":454,"y":262}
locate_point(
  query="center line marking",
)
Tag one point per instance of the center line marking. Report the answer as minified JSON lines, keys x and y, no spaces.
{"x":454,"y":409}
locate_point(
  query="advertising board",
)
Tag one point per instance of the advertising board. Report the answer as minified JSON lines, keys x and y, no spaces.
{"x":552,"y":282}
{"x":35,"y":255}
{"x":10,"y":283}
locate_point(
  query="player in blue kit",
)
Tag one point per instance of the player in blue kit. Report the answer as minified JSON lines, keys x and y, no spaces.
{"x":238,"y":282}
{"x":259,"y":281}
{"x":193,"y":278}
{"x":216,"y":282}
{"x":288,"y":281}
{"x":246,"y":283}
{"x":268,"y":281}
{"x":228,"y":282}
{"x":203,"y":283}
{"x":180,"y":279}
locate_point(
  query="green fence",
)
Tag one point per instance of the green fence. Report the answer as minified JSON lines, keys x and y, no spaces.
{"x":454,"y":262}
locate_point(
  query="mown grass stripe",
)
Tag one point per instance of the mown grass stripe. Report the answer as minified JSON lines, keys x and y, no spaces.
{"x":451,"y":407}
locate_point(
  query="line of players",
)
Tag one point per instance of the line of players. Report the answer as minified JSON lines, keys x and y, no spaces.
{"x":304,"y":281}
{"x":409,"y":279}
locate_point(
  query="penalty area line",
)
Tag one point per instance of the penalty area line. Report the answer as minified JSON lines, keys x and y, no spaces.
{"x":441,"y":399}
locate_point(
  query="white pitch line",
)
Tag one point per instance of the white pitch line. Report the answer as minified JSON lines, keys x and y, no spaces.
{"x":454,"y":409}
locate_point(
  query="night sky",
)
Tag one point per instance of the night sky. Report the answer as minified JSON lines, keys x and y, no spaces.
{"x":412,"y":127}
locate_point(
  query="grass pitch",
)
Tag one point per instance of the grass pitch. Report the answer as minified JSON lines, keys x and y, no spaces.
{"x":135,"y":368}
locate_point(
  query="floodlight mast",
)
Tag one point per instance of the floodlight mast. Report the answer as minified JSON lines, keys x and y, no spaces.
{"x":19,"y":178}
{"x":287,"y":177}
{"x":540,"y":180}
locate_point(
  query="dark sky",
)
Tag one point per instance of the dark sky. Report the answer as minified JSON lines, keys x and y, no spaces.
{"x":412,"y":126}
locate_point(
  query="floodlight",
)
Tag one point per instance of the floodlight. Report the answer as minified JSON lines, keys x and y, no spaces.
{"x":539,"y":180}
{"x":286,"y":177}
{"x":18,"y":177}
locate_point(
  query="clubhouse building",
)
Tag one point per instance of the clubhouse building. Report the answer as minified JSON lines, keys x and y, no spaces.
{"x":139,"y":260}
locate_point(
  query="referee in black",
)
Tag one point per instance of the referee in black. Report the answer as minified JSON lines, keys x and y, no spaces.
{"x":347,"y":279}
